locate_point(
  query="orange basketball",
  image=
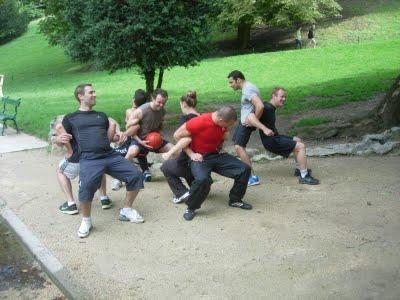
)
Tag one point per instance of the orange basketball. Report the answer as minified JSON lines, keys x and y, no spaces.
{"x":154,"y":139}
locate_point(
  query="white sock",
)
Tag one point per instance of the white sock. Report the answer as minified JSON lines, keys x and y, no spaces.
{"x":126,"y":210}
{"x":104,"y":197}
{"x":71,"y":203}
{"x":87,"y":220}
{"x":303,"y":173}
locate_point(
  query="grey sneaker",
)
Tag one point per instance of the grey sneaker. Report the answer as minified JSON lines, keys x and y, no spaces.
{"x":116,"y":185}
{"x":132,"y":216}
{"x":308,"y":180}
{"x":106,"y":203}
{"x":189,"y":214}
{"x":68,"y":209}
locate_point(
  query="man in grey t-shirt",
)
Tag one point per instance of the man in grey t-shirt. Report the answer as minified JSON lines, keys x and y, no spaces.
{"x":251,"y":109}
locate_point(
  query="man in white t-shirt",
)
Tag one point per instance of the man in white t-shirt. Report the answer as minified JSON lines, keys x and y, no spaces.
{"x":251,"y":109}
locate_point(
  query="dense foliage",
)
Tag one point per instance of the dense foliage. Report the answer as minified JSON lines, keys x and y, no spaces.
{"x":13,"y":20}
{"x":150,"y":35}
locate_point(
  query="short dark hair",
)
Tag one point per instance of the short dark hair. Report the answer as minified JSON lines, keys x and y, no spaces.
{"x":161,"y":92}
{"x":190,"y":99}
{"x":80,"y":90}
{"x":277,"y":89}
{"x":140,"y":97}
{"x":235,"y":74}
{"x":227,"y":113}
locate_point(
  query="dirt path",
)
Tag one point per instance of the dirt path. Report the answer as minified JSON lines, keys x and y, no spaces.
{"x":336,"y":240}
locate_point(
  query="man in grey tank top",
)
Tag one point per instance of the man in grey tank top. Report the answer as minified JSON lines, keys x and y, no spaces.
{"x":251,"y":109}
{"x":149,"y":117}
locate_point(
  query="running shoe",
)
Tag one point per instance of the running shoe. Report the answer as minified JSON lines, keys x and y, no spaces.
{"x":180,"y":199}
{"x":132,"y":216}
{"x":68,"y":209}
{"x":240,"y":204}
{"x":253,"y":180}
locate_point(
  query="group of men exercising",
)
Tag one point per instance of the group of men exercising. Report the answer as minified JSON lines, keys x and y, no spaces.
{"x":87,"y":135}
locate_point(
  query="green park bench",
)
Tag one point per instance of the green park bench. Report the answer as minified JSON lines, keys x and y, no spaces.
{"x":9,"y":109}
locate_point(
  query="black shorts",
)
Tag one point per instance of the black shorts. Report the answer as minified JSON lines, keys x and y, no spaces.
{"x":242,"y":135}
{"x":278,"y":144}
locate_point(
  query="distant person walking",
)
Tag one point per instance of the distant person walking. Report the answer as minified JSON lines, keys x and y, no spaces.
{"x":312,"y":43}
{"x":1,"y":85}
{"x":297,"y":38}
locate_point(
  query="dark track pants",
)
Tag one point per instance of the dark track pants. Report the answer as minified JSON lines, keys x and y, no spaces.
{"x":223,"y":164}
{"x":172,"y":171}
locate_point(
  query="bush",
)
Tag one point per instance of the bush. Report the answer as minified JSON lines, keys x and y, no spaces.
{"x":33,"y":10}
{"x":13,"y":20}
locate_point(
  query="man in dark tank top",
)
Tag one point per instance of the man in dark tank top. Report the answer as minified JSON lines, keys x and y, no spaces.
{"x":150,"y":118}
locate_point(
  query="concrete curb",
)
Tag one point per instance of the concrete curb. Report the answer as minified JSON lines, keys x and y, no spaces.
{"x":51,"y":265}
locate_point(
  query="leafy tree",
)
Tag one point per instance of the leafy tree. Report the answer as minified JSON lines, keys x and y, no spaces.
{"x":13,"y":20}
{"x":243,"y":14}
{"x":149,"y":35}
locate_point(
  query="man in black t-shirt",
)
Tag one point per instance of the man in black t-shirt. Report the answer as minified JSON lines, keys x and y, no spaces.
{"x":91,"y":132}
{"x":67,"y":170}
{"x":282,"y":144}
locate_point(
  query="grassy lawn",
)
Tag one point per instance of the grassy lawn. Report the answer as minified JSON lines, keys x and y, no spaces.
{"x":316,"y":78}
{"x":364,"y":21}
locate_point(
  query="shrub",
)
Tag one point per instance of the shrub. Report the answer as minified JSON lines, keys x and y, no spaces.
{"x":13,"y":20}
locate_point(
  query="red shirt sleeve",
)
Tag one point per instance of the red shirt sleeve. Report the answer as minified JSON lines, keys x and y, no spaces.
{"x":194,"y":125}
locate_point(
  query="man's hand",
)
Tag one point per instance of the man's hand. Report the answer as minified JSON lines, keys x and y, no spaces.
{"x":122,"y":138}
{"x":144,"y":143}
{"x":268,"y":132}
{"x":64,"y":138}
{"x":196,"y":156}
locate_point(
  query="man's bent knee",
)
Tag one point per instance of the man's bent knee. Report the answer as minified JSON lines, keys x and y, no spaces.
{"x":299,"y":147}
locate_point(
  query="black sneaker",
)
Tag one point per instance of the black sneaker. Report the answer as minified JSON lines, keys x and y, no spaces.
{"x":308,"y":180}
{"x":69,"y":210}
{"x":240,"y":204}
{"x":106,"y":203}
{"x":189,"y":214}
{"x":298,"y":174}
{"x":146,"y":176}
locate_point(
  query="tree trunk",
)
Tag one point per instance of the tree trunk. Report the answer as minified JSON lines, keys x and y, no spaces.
{"x":160,"y":78}
{"x":388,"y":110}
{"x":243,"y":35}
{"x":149,"y":76}
{"x":384,"y":116}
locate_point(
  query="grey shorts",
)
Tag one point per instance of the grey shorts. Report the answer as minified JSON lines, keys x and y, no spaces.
{"x":69,"y":169}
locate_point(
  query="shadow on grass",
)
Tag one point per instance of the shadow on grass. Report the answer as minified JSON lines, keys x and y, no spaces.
{"x":273,"y":38}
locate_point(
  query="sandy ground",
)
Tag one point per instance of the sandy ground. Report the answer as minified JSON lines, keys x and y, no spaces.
{"x":338,"y":240}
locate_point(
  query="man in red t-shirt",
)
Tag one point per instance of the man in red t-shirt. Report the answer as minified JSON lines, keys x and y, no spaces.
{"x":208,"y":132}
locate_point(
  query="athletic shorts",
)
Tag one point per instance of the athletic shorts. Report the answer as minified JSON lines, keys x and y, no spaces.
{"x":279,"y":144}
{"x":242,"y":135}
{"x":69,"y":169}
{"x":115,"y":165}
{"x":143,"y":151}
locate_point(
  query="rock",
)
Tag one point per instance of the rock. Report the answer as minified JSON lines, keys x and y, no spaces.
{"x":371,"y":143}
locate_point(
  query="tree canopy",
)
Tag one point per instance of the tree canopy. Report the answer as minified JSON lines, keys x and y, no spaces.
{"x":243,"y":14}
{"x":149,"y":35}
{"x":13,"y":20}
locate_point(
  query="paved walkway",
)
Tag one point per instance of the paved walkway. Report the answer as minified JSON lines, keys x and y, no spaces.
{"x":11,"y":141}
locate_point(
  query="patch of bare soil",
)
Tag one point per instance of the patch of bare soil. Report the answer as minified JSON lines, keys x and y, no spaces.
{"x":340,"y":113}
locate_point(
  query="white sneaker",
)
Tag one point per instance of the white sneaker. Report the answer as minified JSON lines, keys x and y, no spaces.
{"x":116,"y":185}
{"x":84,"y":229}
{"x":131,"y":215}
{"x":182,"y":198}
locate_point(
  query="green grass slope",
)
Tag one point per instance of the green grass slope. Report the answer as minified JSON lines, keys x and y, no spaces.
{"x":324,"y":77}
